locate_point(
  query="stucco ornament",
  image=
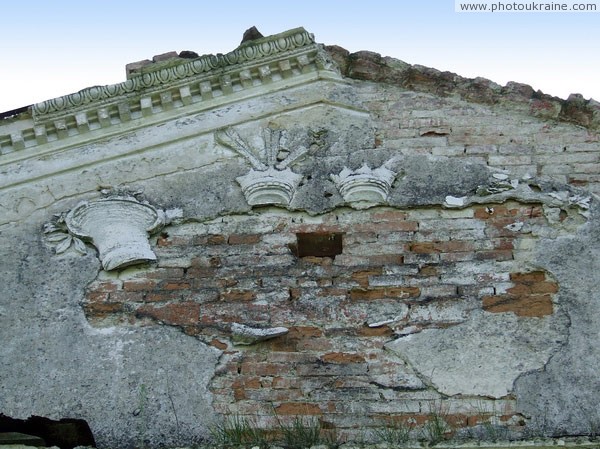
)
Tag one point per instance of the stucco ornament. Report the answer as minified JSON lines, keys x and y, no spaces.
{"x":365,"y":187}
{"x":270,"y":181}
{"x":118,"y":227}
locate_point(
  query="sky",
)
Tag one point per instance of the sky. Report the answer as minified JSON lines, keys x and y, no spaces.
{"x":53,"y":48}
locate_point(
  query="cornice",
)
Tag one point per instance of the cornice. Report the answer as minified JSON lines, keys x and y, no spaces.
{"x":267,"y":62}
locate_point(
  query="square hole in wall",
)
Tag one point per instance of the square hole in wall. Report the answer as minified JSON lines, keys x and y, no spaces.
{"x":319,"y":244}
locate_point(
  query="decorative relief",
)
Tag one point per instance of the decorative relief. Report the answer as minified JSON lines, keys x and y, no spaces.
{"x":365,"y":187}
{"x":117,"y":226}
{"x":271,"y":181}
{"x":243,"y":335}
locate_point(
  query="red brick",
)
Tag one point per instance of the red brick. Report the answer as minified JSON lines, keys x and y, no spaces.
{"x":175,"y":285}
{"x":238,"y":295}
{"x":494,"y":211}
{"x":139,"y":285}
{"x":215,"y":239}
{"x":243,"y":239}
{"x":383,"y":331}
{"x":534,"y":276}
{"x":386,"y":259}
{"x":389,"y":215}
{"x":218,"y":344}
{"x":96,"y":297}
{"x":102,"y":310}
{"x":126,"y":297}
{"x":386,"y":226}
{"x":529,"y":306}
{"x":428,"y":270}
{"x":362,"y":277}
{"x":544,"y":287}
{"x":175,"y":314}
{"x":298,"y":409}
{"x":104,"y":287}
{"x":499,"y":255}
{"x":453,"y":246}
{"x":359,"y":294}
{"x":342,"y":358}
{"x":424,"y":247}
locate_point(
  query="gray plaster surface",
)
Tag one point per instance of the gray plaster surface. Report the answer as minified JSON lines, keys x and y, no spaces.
{"x":132,"y":385}
{"x":563,"y":395}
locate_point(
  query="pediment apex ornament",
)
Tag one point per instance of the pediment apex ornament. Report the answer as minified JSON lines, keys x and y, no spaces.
{"x":118,"y":227}
{"x":271,"y":180}
{"x":364,"y":187}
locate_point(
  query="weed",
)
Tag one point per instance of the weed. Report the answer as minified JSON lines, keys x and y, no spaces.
{"x":237,"y":431}
{"x":394,"y":435}
{"x":436,"y":427}
{"x":302,"y":432}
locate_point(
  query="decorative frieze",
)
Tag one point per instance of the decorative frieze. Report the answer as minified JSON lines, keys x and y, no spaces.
{"x":365,"y":187}
{"x":172,"y":85}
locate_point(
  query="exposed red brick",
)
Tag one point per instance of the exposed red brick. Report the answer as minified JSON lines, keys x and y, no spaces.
{"x":383,"y":331}
{"x":298,"y":409}
{"x":102,"y":310}
{"x":264,"y":369}
{"x":162,"y":296}
{"x":342,"y":358}
{"x":126,"y":297}
{"x":389,"y":215}
{"x":175,"y":285}
{"x":139,"y":285}
{"x":527,"y":306}
{"x":359,"y":294}
{"x":519,"y":290}
{"x":305,"y":331}
{"x":362,"y":276}
{"x":499,"y":255}
{"x":544,"y":287}
{"x":103,"y":287}
{"x":243,"y":239}
{"x":163,"y":240}
{"x":218,"y":344}
{"x":328,"y":292}
{"x":215,"y":239}
{"x":454,"y":246}
{"x":428,"y":270}
{"x":227,"y":282}
{"x":96,"y":296}
{"x":397,"y":226}
{"x":175,"y":314}
{"x":238,"y":295}
{"x":386,"y":259}
{"x":534,"y":276}
{"x":424,"y":247}
{"x":503,"y":244}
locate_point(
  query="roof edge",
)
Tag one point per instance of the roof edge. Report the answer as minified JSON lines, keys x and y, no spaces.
{"x":370,"y":66}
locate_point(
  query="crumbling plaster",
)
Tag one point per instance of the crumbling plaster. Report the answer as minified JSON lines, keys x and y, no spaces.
{"x":149,"y":384}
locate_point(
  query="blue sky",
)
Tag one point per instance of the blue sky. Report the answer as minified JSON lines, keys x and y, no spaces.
{"x":52,"y":48}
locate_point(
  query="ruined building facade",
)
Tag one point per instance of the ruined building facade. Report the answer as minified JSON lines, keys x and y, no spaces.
{"x":289,"y":230}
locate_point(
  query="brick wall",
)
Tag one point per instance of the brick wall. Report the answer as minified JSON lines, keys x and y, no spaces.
{"x":399,"y":272}
{"x":414,"y":123}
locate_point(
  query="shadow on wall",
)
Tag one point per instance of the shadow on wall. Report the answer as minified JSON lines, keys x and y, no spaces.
{"x":65,"y":433}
